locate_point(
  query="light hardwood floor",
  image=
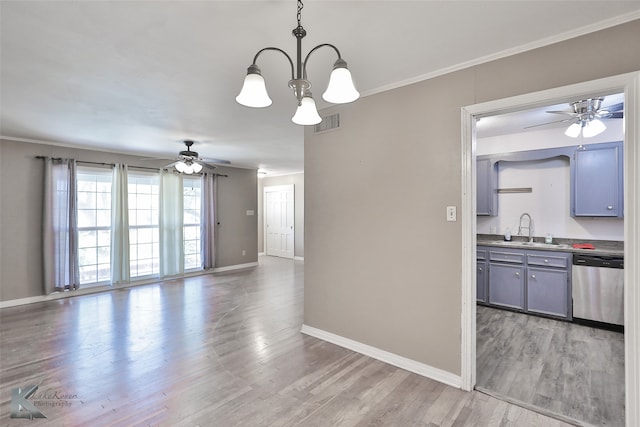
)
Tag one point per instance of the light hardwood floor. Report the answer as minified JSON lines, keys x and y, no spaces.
{"x":565,"y":368}
{"x":223,"y":350}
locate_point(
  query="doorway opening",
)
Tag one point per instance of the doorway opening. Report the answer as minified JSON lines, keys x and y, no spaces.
{"x":625,"y":84}
{"x":279,"y":227}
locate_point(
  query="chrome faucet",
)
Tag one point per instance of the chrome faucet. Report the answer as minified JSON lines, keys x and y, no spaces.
{"x":528,"y":227}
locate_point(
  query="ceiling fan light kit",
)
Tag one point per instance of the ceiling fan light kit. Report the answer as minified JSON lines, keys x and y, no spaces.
{"x":587,"y":113}
{"x":188,"y":167}
{"x":189,"y":162}
{"x":340,"y":89}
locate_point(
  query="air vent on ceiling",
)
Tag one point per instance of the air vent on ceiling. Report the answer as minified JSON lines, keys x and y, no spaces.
{"x":328,"y":123}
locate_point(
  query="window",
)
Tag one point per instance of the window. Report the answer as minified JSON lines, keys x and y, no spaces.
{"x":94,"y":193}
{"x":144,"y":229}
{"x":191,"y":222}
{"x":94,"y":224}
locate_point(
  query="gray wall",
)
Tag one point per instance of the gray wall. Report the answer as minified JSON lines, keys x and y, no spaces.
{"x":382,"y":265}
{"x":21,"y":187}
{"x":298,"y":181}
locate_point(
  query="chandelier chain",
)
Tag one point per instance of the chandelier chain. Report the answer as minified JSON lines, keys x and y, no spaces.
{"x":299,"y":15}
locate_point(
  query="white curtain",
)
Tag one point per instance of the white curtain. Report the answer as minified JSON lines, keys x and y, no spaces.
{"x":171,"y":224}
{"x":60,"y":226}
{"x":120,"y":271}
{"x":209,"y":221}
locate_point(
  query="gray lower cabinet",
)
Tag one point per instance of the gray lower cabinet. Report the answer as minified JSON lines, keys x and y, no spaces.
{"x":481,"y":276}
{"x":506,"y":285}
{"x":549,"y":283}
{"x":547,"y":291}
{"x":532,"y":281}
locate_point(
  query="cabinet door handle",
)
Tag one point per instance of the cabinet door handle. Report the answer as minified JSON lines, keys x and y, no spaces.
{"x":480,"y":269}
{"x":517,"y":274}
{"x":533,"y":276}
{"x":546,"y":260}
{"x":609,"y":208}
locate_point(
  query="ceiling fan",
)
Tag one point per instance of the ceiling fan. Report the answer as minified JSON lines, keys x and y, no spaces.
{"x":189,"y":162}
{"x":586,"y":117}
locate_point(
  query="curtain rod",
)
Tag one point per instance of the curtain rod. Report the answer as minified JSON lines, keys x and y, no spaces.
{"x":113,"y":165}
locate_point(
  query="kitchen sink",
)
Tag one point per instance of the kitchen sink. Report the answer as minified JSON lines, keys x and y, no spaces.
{"x":518,"y":244}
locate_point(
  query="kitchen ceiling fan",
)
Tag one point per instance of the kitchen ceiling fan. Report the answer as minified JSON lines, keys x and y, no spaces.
{"x":586,"y":117}
{"x":189,"y":162}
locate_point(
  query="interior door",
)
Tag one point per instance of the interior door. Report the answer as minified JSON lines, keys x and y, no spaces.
{"x":279,"y":220}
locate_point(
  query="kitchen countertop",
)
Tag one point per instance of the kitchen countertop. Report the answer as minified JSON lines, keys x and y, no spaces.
{"x":602,"y":247}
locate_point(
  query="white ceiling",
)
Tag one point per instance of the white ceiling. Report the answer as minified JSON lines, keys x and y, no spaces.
{"x":140,"y":76}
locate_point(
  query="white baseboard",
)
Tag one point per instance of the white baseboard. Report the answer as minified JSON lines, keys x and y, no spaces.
{"x":106,"y":288}
{"x":384,"y":356}
{"x":261,"y":254}
{"x":234,"y":267}
{"x":298,"y":258}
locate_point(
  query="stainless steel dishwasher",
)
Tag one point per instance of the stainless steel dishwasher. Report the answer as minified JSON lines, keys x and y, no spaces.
{"x":598,"y":288}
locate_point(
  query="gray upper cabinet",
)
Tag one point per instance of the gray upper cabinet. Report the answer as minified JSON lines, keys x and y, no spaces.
{"x":597,"y":181}
{"x":487,"y":187}
{"x":596,"y":178}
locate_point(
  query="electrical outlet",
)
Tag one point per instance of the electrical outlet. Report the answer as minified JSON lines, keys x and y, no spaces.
{"x":244,"y":252}
{"x":451,"y":213}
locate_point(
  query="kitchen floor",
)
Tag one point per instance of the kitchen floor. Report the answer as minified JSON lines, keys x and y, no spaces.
{"x":564,"y":368}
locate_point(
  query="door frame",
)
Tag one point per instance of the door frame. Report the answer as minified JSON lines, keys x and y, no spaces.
{"x":630,"y":85}
{"x":273,"y":188}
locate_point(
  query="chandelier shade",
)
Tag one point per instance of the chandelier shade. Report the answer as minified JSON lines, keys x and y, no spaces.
{"x":254,"y":91}
{"x":340,"y":89}
{"x":306,"y":114}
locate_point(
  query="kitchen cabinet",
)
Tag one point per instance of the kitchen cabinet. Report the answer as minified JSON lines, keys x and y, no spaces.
{"x":532,"y":281}
{"x":506,"y":285}
{"x":548,"y":284}
{"x":481,"y":275}
{"x":486,"y":186}
{"x":506,"y":278}
{"x":597,"y":180}
{"x":547,"y":291}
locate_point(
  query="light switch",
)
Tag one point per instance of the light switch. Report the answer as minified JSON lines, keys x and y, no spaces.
{"x":250,"y":213}
{"x":451,"y":213}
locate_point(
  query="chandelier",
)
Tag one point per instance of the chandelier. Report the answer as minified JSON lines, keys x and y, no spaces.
{"x":340,"y":89}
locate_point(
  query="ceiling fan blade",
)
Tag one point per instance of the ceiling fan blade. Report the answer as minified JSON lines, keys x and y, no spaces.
{"x":146,"y":159}
{"x":614,"y":108}
{"x":219,"y":161}
{"x":606,"y":114}
{"x":170,"y":165}
{"x":207,"y":165}
{"x":549,"y":123}
{"x":570,"y":113}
